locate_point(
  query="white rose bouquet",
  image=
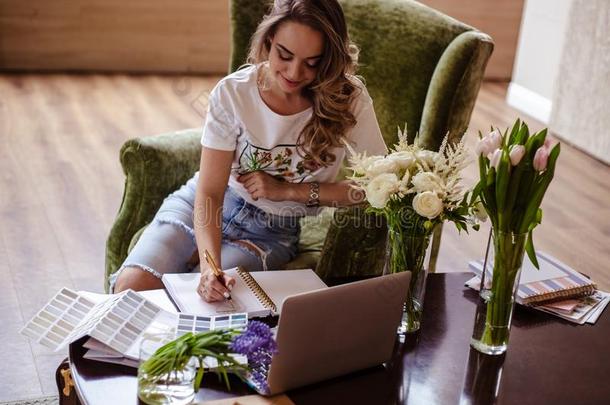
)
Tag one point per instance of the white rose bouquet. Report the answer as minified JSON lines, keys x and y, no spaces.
{"x":422,"y":187}
{"x":414,"y":189}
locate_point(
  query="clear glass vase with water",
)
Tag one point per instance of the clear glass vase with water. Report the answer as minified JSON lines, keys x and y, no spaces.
{"x":175,"y":387}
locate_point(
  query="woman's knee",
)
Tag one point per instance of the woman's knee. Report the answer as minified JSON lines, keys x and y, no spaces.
{"x":137,"y":279}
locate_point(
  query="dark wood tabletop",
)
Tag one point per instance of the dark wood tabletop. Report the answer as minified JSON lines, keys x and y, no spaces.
{"x":549,"y":361}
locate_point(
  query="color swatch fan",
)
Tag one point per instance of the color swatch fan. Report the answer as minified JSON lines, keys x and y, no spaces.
{"x":117,"y":322}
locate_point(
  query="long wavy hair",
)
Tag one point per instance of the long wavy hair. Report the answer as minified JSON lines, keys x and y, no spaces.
{"x":335,"y":85}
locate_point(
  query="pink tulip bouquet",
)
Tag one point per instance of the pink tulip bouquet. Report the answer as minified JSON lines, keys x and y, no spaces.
{"x":516,"y":169}
{"x":515,"y":172}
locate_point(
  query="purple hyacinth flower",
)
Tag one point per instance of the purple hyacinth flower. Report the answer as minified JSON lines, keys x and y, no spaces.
{"x":257,"y":337}
{"x":258,"y":345}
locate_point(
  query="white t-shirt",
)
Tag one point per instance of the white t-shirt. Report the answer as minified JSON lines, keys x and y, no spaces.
{"x":239,"y":120}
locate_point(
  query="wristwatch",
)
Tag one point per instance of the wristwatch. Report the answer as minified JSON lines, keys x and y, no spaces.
{"x":314,"y":194}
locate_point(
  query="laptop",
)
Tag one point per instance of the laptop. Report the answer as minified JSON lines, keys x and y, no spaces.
{"x":334,"y":331}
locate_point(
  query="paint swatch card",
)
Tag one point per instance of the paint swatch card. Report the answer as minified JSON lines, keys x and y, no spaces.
{"x":183,"y":323}
{"x":116,"y":322}
{"x":197,"y":323}
{"x":58,"y":319}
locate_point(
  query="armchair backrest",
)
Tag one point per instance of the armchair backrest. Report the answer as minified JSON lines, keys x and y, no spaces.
{"x":421,"y":67}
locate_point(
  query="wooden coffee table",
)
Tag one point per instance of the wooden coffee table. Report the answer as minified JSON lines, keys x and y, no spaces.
{"x":549,"y":361}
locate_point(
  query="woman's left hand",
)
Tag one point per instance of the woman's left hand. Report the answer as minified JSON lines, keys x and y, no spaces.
{"x":262,"y":185}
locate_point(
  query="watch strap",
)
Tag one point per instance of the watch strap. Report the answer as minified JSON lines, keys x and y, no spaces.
{"x":314,"y":194}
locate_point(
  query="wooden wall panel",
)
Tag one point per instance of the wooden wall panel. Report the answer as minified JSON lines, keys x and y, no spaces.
{"x":501,"y":19}
{"x":115,"y":35}
{"x":179,"y":35}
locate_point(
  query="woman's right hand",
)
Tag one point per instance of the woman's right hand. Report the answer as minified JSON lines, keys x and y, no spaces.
{"x":211,"y":290}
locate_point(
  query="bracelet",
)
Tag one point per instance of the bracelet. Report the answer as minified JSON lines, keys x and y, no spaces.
{"x":314,"y":194}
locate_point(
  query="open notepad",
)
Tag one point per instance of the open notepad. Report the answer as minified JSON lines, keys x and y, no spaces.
{"x":259,"y":293}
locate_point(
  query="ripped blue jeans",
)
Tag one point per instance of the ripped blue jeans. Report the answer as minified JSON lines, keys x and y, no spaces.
{"x":251,"y":238}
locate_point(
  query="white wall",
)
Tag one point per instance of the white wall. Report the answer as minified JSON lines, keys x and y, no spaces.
{"x":581,"y":98}
{"x":541,"y":40}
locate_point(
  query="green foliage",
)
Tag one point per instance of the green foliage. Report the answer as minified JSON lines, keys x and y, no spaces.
{"x":175,"y":355}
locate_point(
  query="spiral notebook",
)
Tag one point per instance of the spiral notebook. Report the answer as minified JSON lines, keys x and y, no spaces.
{"x":554,"y":281}
{"x":258,"y":293}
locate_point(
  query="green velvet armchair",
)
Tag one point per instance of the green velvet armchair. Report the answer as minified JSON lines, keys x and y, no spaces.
{"x":422,"y":69}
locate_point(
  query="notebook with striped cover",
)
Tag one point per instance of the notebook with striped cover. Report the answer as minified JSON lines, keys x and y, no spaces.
{"x":554,"y":281}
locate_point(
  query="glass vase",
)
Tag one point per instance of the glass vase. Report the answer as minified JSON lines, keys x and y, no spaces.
{"x":497,"y":295}
{"x":408,"y":252}
{"x":175,"y":387}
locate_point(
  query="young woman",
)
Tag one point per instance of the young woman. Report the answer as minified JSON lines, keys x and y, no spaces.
{"x":273,"y":142}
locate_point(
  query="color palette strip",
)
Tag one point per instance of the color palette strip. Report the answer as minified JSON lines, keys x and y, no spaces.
{"x":197,"y":324}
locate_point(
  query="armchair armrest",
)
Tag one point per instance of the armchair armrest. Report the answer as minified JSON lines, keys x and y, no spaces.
{"x":154,"y":167}
{"x":453,"y":88}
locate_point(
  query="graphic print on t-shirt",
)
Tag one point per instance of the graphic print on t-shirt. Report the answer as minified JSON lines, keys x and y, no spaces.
{"x":282,"y":162}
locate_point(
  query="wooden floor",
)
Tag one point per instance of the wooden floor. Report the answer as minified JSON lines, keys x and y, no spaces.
{"x":61,"y":185}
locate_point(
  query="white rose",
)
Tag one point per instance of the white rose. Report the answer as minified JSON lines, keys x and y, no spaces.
{"x":427,"y":204}
{"x":428,"y":181}
{"x":379,"y":189}
{"x":403,"y":159}
{"x":426,"y":156}
{"x":379,"y":166}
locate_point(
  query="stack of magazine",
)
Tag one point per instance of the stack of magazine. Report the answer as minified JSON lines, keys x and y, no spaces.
{"x":554,"y":288}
